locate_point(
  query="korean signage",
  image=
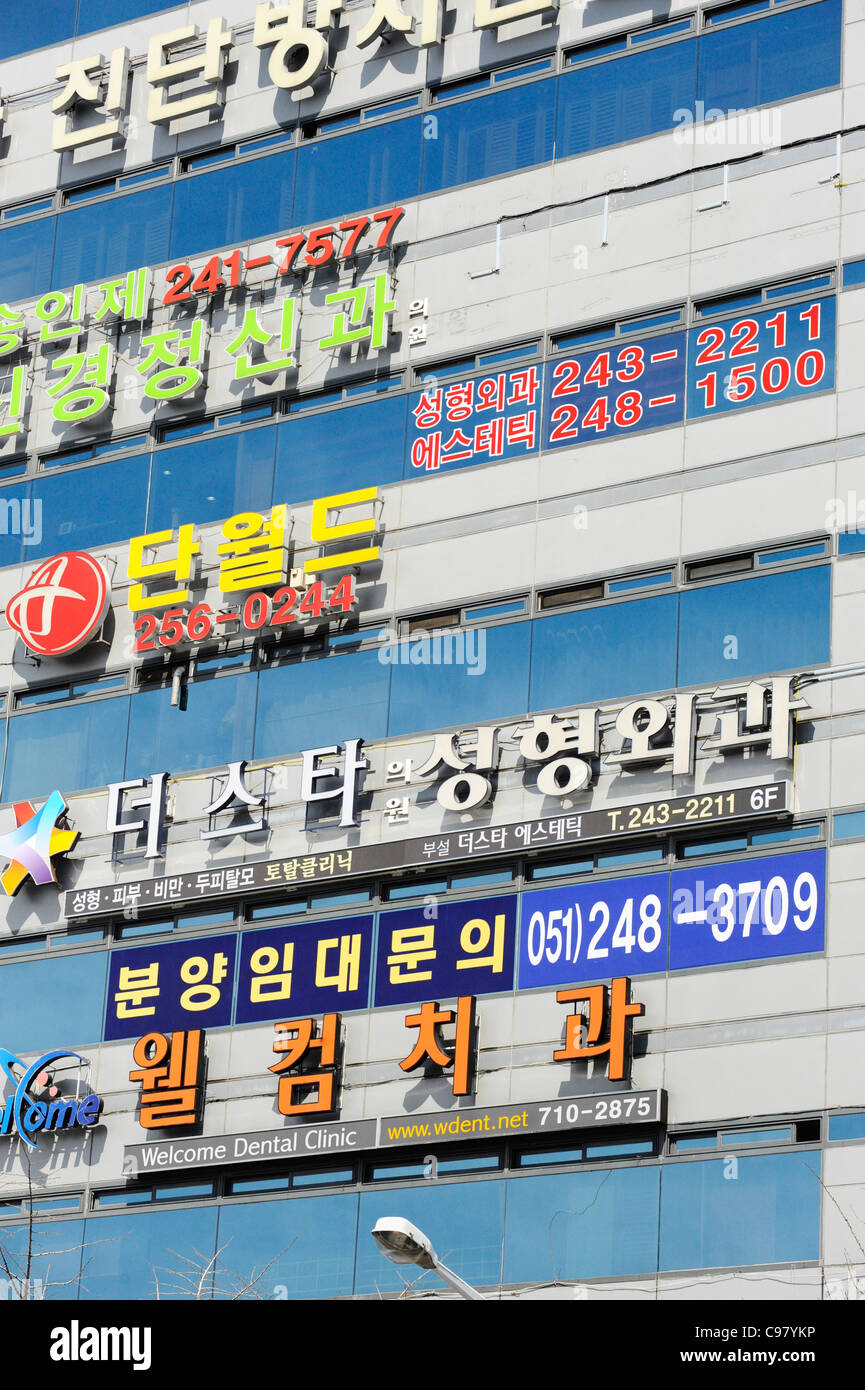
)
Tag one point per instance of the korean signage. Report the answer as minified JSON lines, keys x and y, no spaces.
{"x":64,"y":601}
{"x":752,"y":909}
{"x":620,"y":388}
{"x":347,"y":1136}
{"x":459,"y":846}
{"x":598,"y":1028}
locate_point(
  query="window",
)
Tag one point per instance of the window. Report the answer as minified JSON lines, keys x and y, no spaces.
{"x":584,"y":1225}
{"x":465,"y":1226}
{"x":767,"y":1213}
{"x":88,"y":741}
{"x":464,"y":677}
{"x":142,"y":1255}
{"x":310,"y":704}
{"x":779,"y":56}
{"x":752,"y":626}
{"x":600,"y":653}
{"x":26,"y":252}
{"x":365,"y":170}
{"x":111,"y":236}
{"x":360,"y":446}
{"x":212,"y":479}
{"x":311,"y":1242}
{"x":214,"y":729}
{"x":626,"y":98}
{"x":56,"y":1256}
{"x":237,"y":204}
{"x":55,"y":1002}
{"x":17,"y":33}
{"x":90,"y":507}
{"x":490,"y":135}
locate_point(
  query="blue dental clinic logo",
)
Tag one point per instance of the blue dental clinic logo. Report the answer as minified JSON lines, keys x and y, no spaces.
{"x":37,"y":1104}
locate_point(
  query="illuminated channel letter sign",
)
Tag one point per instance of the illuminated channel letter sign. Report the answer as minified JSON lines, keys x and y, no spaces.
{"x":31,"y":847}
{"x":36,"y":1103}
{"x":62,"y":605}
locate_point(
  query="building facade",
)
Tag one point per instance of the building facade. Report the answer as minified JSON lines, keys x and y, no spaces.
{"x":432,"y":530}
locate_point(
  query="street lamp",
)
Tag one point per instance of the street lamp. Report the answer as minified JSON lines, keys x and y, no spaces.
{"x":404,"y":1244}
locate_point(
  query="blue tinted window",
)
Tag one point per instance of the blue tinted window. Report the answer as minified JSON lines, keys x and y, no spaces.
{"x":598,"y":653}
{"x":26,"y":249}
{"x":145,"y":1255}
{"x":321,"y":702}
{"x":232,"y":205}
{"x":460,"y":679}
{"x":215,"y":728}
{"x":101,"y":14}
{"x":91,"y":506}
{"x":491,"y":135}
{"x":55,"y":1258}
{"x":778,"y":621}
{"x":310,"y":1242}
{"x":23,"y":30}
{"x":847,"y":1126}
{"x":582,"y":1225}
{"x":854,"y":274}
{"x":849,"y":826}
{"x":464,"y":1225}
{"x":625,"y":99}
{"x":360,"y":446}
{"x":73,"y":746}
{"x":49,"y":1003}
{"x":771,"y":59}
{"x":212,"y":479}
{"x":851,"y":541}
{"x":112,"y":236}
{"x":766,"y":1211}
{"x":367,"y":170}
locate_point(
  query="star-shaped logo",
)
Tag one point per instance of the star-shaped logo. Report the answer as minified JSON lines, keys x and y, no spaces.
{"x":33,"y":844}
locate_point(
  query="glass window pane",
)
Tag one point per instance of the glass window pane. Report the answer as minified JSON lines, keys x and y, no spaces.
{"x":779,"y":621}
{"x":90,"y":506}
{"x":305,"y":1245}
{"x":599,"y":653}
{"x":771,"y":59}
{"x":55,"y":1259}
{"x":584,"y":1225}
{"x":359,"y":446}
{"x":765,"y":1211}
{"x":490,"y":135}
{"x":854,"y":274}
{"x":365,"y":171}
{"x":212,"y":479}
{"x":112,"y":236}
{"x":145,"y":1255}
{"x":462,"y":677}
{"x":850,"y":825}
{"x":231,"y":205}
{"x":847,"y":1126}
{"x":464,"y":1223}
{"x":625,"y":99}
{"x":215,"y":728}
{"x":321,"y":702}
{"x":757,"y":1136}
{"x":53,"y":1002}
{"x":851,"y":541}
{"x":101,"y":14}
{"x":26,"y":251}
{"x":78,"y":745}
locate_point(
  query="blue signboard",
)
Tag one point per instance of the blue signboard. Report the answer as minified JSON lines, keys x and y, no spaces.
{"x":752,"y":910}
{"x":303,"y":969}
{"x":467,"y":422}
{"x":617,"y":389}
{"x":178,"y":984}
{"x":594,"y":930}
{"x":465,"y":948}
{"x":761,"y":358}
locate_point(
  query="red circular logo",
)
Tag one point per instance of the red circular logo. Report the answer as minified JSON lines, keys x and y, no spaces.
{"x":62,"y":604}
